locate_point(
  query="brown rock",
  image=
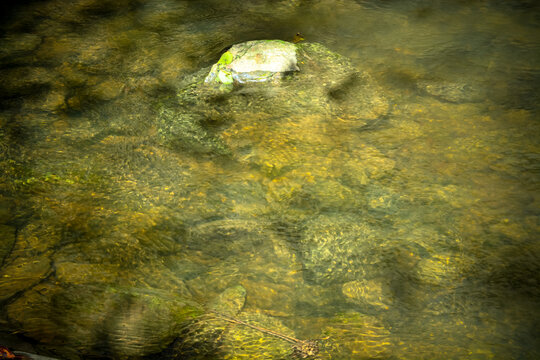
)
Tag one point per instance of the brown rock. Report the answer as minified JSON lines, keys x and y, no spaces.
{"x":22,"y":273}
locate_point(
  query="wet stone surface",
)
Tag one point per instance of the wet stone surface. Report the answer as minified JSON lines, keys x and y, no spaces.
{"x":326,"y":83}
{"x":254,"y":61}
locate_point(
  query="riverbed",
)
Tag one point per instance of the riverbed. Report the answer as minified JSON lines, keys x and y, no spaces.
{"x":403,"y":225}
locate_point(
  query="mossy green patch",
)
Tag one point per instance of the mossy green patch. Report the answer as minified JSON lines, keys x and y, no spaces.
{"x":226,"y":58}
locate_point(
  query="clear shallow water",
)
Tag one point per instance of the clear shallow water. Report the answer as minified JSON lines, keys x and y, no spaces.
{"x":408,"y":234}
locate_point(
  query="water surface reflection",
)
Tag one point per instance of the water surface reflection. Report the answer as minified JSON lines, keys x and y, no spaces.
{"x":390,"y":210}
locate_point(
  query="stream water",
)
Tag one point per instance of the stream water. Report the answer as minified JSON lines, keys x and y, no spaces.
{"x":407,"y":232}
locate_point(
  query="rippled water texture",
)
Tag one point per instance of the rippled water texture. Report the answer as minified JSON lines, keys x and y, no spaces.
{"x":383,"y":200}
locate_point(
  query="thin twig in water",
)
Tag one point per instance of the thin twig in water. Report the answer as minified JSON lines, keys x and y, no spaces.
{"x":302,"y":348}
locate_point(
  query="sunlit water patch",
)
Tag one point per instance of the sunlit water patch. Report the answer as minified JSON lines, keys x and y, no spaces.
{"x":379,"y":203}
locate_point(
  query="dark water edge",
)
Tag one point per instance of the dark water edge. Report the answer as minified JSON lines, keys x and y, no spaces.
{"x":390,"y":208}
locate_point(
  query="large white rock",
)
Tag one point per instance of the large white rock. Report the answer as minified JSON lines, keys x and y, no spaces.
{"x":254,"y":61}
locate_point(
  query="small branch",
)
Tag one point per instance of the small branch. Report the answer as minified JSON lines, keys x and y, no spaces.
{"x":301,"y":348}
{"x":267,"y":331}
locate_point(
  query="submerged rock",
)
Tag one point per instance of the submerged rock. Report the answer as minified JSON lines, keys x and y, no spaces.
{"x":132,"y":322}
{"x":21,"y":273}
{"x":201,"y":338}
{"x":334,"y":249}
{"x":358,"y":336}
{"x":25,"y":80}
{"x":242,"y":342}
{"x":184,"y":131}
{"x":444,"y":270}
{"x":229,"y":332}
{"x":454,"y":92}
{"x":374,"y":292}
{"x":243,"y":85}
{"x":231,"y":301}
{"x":15,"y":45}
{"x":321,"y":81}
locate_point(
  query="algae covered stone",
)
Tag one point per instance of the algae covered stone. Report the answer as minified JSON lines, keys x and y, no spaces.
{"x":243,"y":88}
{"x":335,"y":248}
{"x":243,"y":342}
{"x":230,"y":301}
{"x":132,"y":322}
{"x":254,"y":61}
{"x":314,"y":80}
{"x":202,"y":338}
